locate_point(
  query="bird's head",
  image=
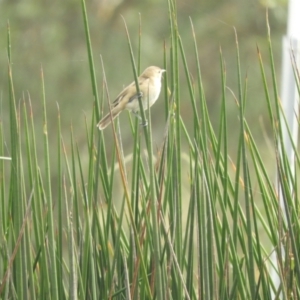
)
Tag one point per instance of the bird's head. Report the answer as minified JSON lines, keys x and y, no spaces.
{"x":153,"y":71}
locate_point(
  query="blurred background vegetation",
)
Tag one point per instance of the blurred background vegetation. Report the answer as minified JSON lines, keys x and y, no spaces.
{"x":50,"y":34}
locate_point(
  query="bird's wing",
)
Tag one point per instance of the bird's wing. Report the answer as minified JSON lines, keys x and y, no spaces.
{"x":126,"y":91}
{"x":143,"y":86}
{"x":130,"y":91}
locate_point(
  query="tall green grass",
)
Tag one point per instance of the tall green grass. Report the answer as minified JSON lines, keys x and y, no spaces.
{"x":181,"y":222}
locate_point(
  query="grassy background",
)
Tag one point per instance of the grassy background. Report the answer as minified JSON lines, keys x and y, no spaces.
{"x":55,"y":39}
{"x":182,"y":209}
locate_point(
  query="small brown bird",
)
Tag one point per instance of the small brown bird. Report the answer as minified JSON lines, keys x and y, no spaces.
{"x":149,"y":85}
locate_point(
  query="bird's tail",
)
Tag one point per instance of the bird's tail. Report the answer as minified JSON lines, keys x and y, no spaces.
{"x":105,"y":121}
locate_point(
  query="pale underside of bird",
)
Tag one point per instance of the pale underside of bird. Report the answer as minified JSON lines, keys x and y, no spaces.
{"x":149,"y":85}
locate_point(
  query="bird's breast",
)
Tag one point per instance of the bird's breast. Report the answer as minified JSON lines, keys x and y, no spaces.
{"x":150,"y":93}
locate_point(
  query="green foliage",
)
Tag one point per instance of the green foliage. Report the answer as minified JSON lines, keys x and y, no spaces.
{"x":183,"y":220}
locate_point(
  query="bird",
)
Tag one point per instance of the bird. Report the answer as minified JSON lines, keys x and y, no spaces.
{"x":149,"y":85}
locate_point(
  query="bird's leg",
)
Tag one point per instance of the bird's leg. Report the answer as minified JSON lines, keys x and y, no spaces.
{"x":144,"y":124}
{"x":137,"y":115}
{"x":140,"y":118}
{"x":136,"y":96}
{"x":139,"y":96}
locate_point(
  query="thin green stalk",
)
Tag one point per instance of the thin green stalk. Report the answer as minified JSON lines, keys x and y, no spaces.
{"x":28,"y":233}
{"x":60,"y":216}
{"x":16,"y":210}
{"x":37,"y":212}
{"x":52,"y":241}
{"x":91,"y":59}
{"x":242,"y":98}
{"x":147,"y":133}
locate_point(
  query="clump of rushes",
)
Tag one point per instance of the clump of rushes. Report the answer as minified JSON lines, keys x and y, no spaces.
{"x":183,"y":223}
